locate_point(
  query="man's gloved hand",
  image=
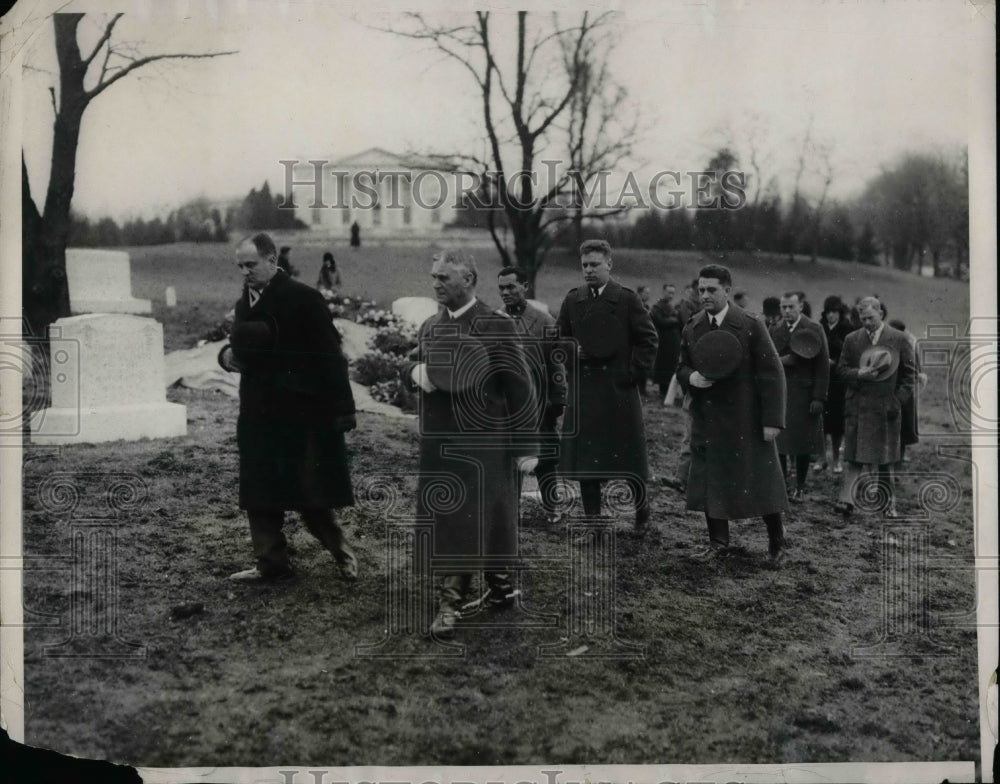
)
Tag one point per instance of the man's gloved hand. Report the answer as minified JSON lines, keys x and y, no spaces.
{"x":344,"y":423}
{"x":816,"y":407}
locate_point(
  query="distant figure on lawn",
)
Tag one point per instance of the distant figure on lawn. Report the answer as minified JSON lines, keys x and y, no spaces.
{"x":285,"y":264}
{"x":295,"y":406}
{"x":355,"y":235}
{"x":737,"y":385}
{"x":329,"y":275}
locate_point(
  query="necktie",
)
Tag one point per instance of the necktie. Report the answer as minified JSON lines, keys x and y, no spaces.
{"x":254,"y":296}
{"x":712,"y":324}
{"x":593,"y":292}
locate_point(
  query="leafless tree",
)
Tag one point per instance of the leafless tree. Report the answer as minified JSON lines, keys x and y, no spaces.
{"x":45,"y":293}
{"x":601,"y":129}
{"x":558,"y":80}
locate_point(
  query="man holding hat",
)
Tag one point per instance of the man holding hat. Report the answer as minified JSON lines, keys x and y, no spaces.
{"x":617,"y":347}
{"x":476,"y":402}
{"x":295,"y":406}
{"x":878,"y":369}
{"x":732,"y":371}
{"x":805,"y":357}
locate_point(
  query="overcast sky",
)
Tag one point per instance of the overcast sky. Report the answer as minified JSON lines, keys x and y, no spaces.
{"x":316,"y":79}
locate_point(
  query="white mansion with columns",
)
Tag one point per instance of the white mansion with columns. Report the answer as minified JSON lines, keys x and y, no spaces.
{"x":388,"y":195}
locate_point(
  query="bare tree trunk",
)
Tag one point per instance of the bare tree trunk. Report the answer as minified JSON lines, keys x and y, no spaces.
{"x":45,"y":292}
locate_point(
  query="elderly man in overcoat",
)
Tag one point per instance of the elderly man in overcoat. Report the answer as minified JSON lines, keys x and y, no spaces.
{"x":476,"y":401}
{"x":617,"y":347}
{"x":295,"y":406}
{"x":877,"y":366}
{"x":806,"y":379}
{"x":735,"y":420}
{"x":542,"y":348}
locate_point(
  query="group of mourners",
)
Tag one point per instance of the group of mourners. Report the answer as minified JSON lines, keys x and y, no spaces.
{"x":499,"y":386}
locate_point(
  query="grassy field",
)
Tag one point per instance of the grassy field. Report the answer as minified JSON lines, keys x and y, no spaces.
{"x":738,"y":662}
{"x":208,"y":284}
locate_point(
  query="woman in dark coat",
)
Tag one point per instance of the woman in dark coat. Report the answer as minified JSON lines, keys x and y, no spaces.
{"x":329,"y":275}
{"x":837,"y":327}
{"x":668,"y":325}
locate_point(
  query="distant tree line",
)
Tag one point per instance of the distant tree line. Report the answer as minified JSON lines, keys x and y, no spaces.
{"x":910,"y":216}
{"x":198,"y":220}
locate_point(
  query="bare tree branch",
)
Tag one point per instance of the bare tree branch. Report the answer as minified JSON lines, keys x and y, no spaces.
{"x":104,"y":85}
{"x":105,"y":37}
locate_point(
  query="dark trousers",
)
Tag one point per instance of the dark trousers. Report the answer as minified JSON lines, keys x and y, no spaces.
{"x":718,"y":530}
{"x":590,"y":494}
{"x":270,"y":545}
{"x":801,"y":468}
{"x":884,"y":489}
{"x":546,"y":469}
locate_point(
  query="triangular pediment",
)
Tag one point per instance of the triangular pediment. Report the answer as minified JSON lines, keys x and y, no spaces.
{"x":378,"y":157}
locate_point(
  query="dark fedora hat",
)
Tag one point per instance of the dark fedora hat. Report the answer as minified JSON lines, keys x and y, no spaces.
{"x":885,"y":359}
{"x":227,"y":360}
{"x":717,"y":354}
{"x":253,"y":336}
{"x":456,"y":364}
{"x":806,"y":343}
{"x":600,"y":335}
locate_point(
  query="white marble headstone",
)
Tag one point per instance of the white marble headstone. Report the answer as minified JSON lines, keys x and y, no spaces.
{"x":100,"y":281}
{"x":107,"y":375}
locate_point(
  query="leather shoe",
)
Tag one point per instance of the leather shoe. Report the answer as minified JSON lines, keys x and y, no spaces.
{"x":444,"y":623}
{"x":554,"y":518}
{"x":843,"y":509}
{"x":710,"y":553}
{"x":254,"y":575}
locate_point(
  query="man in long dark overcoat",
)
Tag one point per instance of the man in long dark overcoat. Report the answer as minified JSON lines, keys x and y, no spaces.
{"x":806,"y":380}
{"x":542,"y":349}
{"x":476,"y":401}
{"x":735,"y":420}
{"x":873,"y":404}
{"x":295,"y":406}
{"x":617,"y":346}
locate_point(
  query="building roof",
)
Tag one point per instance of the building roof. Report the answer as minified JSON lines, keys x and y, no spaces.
{"x":382,"y":158}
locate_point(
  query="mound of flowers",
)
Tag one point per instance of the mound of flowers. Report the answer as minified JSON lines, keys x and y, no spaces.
{"x":388,"y":348}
